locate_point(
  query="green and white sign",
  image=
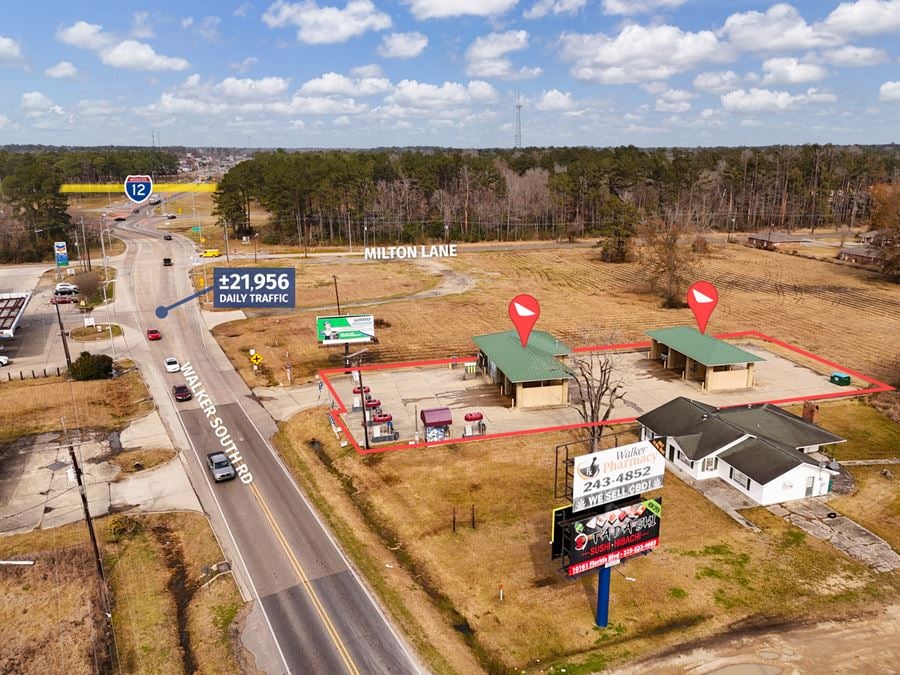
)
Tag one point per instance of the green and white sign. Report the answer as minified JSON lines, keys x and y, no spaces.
{"x":339,"y":330}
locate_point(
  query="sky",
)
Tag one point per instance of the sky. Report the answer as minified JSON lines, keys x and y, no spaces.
{"x":375,"y":73}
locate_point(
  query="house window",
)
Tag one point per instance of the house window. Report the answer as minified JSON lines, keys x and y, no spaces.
{"x":710,"y":463}
{"x":684,"y":459}
{"x":739,"y":478}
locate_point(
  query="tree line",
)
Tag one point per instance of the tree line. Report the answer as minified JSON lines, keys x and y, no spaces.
{"x":412,"y":196}
{"x":32,"y":210}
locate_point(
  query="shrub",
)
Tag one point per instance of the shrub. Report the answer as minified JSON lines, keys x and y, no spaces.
{"x":124,"y":527}
{"x":92,"y":367}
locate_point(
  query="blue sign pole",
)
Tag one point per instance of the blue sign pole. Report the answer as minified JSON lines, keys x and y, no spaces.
{"x":603,"y":597}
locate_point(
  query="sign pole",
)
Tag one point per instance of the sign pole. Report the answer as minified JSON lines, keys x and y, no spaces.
{"x":603,"y":596}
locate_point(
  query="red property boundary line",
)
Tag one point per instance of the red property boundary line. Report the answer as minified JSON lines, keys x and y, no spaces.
{"x":876,"y":386}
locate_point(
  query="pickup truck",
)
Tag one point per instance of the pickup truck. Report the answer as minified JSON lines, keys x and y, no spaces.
{"x":220,"y":466}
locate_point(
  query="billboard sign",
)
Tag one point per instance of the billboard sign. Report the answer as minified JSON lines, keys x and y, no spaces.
{"x":608,"y":538}
{"x":62,"y":253}
{"x":339,"y":330}
{"x":617,"y":473}
{"x":138,"y":188}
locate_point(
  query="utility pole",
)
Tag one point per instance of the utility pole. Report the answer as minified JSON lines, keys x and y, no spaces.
{"x":337,"y":298}
{"x":112,"y":340}
{"x":255,"y":239}
{"x":227,"y":256}
{"x":87,"y":247}
{"x":362,"y":395}
{"x":62,"y":333}
{"x":87,"y":512}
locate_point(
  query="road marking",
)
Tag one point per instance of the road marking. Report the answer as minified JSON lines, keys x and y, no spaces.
{"x":329,"y":626}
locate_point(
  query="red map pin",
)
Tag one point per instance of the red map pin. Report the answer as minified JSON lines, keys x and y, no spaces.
{"x":524,"y":311}
{"x":702,"y":298}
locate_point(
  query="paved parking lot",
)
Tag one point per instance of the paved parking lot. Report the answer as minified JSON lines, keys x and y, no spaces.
{"x":405,"y":391}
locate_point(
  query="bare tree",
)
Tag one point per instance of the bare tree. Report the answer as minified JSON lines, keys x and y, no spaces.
{"x":599,"y":388}
{"x":670,"y":263}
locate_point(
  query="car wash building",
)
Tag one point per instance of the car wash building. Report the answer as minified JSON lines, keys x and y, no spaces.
{"x":717,"y":365}
{"x":534,"y":376}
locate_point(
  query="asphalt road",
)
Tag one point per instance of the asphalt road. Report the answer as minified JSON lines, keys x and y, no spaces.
{"x":321,"y":617}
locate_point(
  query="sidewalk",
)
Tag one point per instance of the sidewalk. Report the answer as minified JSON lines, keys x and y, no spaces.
{"x":719,"y":493}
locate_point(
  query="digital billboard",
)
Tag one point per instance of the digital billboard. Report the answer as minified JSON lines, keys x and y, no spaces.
{"x":604,"y":539}
{"x":617,"y":473}
{"x":339,"y":330}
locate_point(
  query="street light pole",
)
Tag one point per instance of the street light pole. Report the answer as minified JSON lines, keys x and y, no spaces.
{"x":255,"y":238}
{"x":103,"y":287}
{"x":62,"y":333}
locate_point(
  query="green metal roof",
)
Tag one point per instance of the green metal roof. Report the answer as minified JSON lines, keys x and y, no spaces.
{"x":533,"y":363}
{"x":702,"y":348}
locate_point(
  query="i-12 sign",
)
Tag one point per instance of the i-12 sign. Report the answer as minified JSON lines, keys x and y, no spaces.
{"x":617,"y":473}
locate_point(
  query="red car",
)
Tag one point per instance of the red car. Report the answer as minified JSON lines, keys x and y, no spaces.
{"x":181,"y":392}
{"x":153,"y":334}
{"x":62,"y":300}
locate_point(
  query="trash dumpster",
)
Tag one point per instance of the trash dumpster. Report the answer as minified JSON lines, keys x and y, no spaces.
{"x":842,"y":379}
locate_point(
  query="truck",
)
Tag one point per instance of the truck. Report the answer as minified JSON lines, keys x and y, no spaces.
{"x":220,"y":466}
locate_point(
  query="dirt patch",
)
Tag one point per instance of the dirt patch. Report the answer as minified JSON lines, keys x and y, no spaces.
{"x":141,"y":459}
{"x":181,"y":592}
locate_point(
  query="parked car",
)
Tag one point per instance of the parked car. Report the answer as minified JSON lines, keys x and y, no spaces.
{"x":135,"y":210}
{"x":62,"y":300}
{"x":181,"y":392}
{"x":211,"y":253}
{"x":170,"y":216}
{"x":167,"y":262}
{"x":4,"y":360}
{"x":167,"y":237}
{"x":220,"y":466}
{"x":65,"y":288}
{"x":172,"y":365}
{"x":119,"y":219}
{"x":153,"y":334}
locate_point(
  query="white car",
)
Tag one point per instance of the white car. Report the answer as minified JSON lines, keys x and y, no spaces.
{"x":172,"y":365}
{"x":4,"y":360}
{"x":66,"y":286}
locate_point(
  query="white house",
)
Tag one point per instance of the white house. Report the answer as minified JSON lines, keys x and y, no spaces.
{"x":761,"y":450}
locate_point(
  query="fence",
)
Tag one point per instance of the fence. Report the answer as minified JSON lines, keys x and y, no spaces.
{"x":35,"y":374}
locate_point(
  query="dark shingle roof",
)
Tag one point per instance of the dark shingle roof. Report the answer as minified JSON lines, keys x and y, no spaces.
{"x":694,"y":426}
{"x":764,"y":461}
{"x":702,"y":348}
{"x":780,"y":426}
{"x":536,"y":362}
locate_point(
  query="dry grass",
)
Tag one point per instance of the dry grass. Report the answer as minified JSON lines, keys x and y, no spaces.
{"x":875,"y":502}
{"x":869,"y":434}
{"x":707,"y":574}
{"x":146,"y":457}
{"x":839,"y":313}
{"x":35,"y":406}
{"x":90,"y":334}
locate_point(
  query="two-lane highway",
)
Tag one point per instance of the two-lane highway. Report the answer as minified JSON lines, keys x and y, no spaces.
{"x":321,"y":616}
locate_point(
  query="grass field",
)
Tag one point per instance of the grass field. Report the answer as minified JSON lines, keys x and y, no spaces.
{"x":708,"y":573}
{"x":869,"y":433}
{"x":875,"y":502}
{"x":35,"y":406}
{"x":837,"y":312}
{"x":45,"y":614}
{"x":91,"y":334}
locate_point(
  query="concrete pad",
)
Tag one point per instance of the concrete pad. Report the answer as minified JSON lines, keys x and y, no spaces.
{"x":162,"y":488}
{"x":146,"y":432}
{"x":284,"y":402}
{"x":213,"y":319}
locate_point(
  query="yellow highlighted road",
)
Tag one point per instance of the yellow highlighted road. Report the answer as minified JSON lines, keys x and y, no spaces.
{"x":119,"y":187}
{"x":329,"y":626}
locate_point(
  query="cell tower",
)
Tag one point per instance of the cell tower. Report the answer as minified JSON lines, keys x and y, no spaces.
{"x":518,"y":140}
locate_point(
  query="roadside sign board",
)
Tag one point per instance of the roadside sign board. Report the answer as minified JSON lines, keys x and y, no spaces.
{"x":256,"y":359}
{"x":196,"y":228}
{"x":560,"y":514}
{"x":89,"y":322}
{"x":62,"y":253}
{"x":614,"y":474}
{"x":605,"y":539}
{"x":138,"y":188}
{"x":339,"y":330}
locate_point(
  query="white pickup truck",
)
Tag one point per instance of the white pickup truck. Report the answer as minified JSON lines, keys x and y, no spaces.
{"x":220,"y":466}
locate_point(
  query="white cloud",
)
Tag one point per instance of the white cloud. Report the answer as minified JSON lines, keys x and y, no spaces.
{"x":368,"y":70}
{"x":129,"y":54}
{"x":717,"y":82}
{"x":781,"y":27}
{"x":35,"y":100}
{"x":242,"y":10}
{"x":486,"y":56}
{"x":187,"y":22}
{"x":674,"y":101}
{"x":889,"y":92}
{"x":555,"y":100}
{"x":4,"y":121}
{"x":244,"y":65}
{"x":9,"y":50}
{"x":864,"y":17}
{"x":628,"y":7}
{"x":141,"y":26}
{"x":638,"y":53}
{"x":246,"y":88}
{"x":85,"y":35}
{"x":438,"y":9}
{"x":341,"y":121}
{"x":139,"y":56}
{"x":402,"y":45}
{"x":789,"y":70}
{"x":768,"y":100}
{"x":172,"y":103}
{"x":325,"y":25}
{"x":556,"y":7}
{"x":63,"y":70}
{"x":298,"y":124}
{"x":319,"y":105}
{"x":208,"y":29}
{"x":331,"y":84}
{"x":413,"y":94}
{"x":851,"y":56}
{"x":98,"y":108}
